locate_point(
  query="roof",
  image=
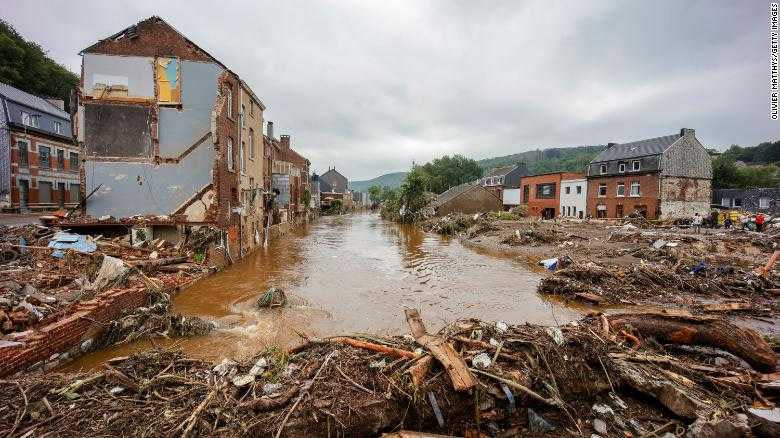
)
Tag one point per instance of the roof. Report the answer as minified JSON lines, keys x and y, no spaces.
{"x":453,"y":192}
{"x":332,"y":173}
{"x":641,"y":148}
{"x":32,"y":101}
{"x":252,"y":93}
{"x":500,"y":171}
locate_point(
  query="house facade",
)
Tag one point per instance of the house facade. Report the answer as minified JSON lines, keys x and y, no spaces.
{"x":755,"y":200}
{"x":574,"y":197}
{"x":659,"y":178}
{"x":333,"y":186}
{"x":541,"y":194}
{"x":39,"y":162}
{"x":251,"y":167}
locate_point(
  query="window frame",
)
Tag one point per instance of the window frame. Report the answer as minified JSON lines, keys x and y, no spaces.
{"x":579,"y":189}
{"x":621,"y":167}
{"x":618,"y":186}
{"x":568,"y":190}
{"x":26,"y":161}
{"x":77,"y":165}
{"x":229,"y":155}
{"x":603,"y":169}
{"x":251,"y":143}
{"x":600,"y":187}
{"x":229,"y":103}
{"x":540,"y":190}
{"x":60,"y":165}
{"x":241,"y":159}
{"x":638,"y":191}
{"x":48,"y":157}
{"x":636,"y":165}
{"x":57,"y":127}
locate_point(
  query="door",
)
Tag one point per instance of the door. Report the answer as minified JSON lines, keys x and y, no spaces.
{"x":61,"y":190}
{"x":24,"y":193}
{"x":619,"y":211}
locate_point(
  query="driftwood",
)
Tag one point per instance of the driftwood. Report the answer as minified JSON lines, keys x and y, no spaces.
{"x":453,"y":363}
{"x":390,"y":351}
{"x":712,"y":332}
{"x":155,"y":263}
{"x":419,"y":370}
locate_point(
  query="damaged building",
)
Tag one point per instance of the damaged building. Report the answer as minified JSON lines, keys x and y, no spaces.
{"x":170,"y":132}
{"x":660,"y":178}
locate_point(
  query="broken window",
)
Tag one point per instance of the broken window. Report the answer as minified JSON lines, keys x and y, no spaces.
{"x":603,"y":189}
{"x":229,"y":154}
{"x":635,"y":188}
{"x":168,"y":81}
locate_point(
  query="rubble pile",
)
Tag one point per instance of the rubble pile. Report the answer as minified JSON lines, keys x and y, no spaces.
{"x":534,"y":237}
{"x":451,"y":224}
{"x":619,"y":375}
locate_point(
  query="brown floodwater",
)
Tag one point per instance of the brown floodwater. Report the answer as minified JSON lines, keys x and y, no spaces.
{"x":347,"y":274}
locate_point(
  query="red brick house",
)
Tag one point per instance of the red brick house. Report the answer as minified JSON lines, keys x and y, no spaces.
{"x":542,"y":193}
{"x":39,"y":164}
{"x":663,"y":177}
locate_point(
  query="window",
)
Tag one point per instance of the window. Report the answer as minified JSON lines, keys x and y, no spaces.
{"x":737,"y":202}
{"x":568,"y":190}
{"x":725,"y":202}
{"x":635,"y":165}
{"x":168,"y":77}
{"x":603,"y":169}
{"x":621,"y":189}
{"x":23,"y":157}
{"x":579,"y":190}
{"x":545,"y":191}
{"x":251,"y":107}
{"x":74,"y":161}
{"x":622,"y":167}
{"x":29,"y":119}
{"x":603,"y":189}
{"x":763,"y":202}
{"x":44,"y":157}
{"x":634,"y":188}
{"x":60,"y":159}
{"x":229,"y":103}
{"x":501,"y":180}
{"x":251,"y":142}
{"x":241,"y":116}
{"x":601,"y":210}
{"x":241,"y":160}
{"x":58,"y":127}
{"x":574,"y":210}
{"x":525,"y":194}
{"x":229,"y":154}
{"x":580,"y":214}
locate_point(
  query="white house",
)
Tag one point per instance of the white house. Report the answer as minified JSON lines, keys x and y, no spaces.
{"x":574,"y":195}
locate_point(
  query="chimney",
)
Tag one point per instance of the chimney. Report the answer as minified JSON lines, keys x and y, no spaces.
{"x":59,"y":103}
{"x":285,"y":141}
{"x":687,"y":131}
{"x":270,"y":130}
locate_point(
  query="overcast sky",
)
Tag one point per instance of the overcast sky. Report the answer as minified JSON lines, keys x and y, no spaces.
{"x":369,"y":87}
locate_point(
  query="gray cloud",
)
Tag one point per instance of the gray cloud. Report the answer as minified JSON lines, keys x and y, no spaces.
{"x":371,"y":86}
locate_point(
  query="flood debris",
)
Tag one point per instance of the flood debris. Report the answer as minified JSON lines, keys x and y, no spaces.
{"x":595,"y":381}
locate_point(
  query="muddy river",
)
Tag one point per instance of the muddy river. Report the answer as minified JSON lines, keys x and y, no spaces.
{"x":348,"y":274}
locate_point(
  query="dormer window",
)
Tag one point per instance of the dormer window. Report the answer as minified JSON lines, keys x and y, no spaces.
{"x":635,"y":165}
{"x":622,"y":167}
{"x":603,"y":169}
{"x":29,"y":119}
{"x":58,"y":127}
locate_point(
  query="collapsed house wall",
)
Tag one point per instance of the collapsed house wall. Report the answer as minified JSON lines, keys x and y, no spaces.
{"x":684,"y":197}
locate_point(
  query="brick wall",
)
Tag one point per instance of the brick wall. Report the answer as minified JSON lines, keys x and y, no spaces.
{"x":537,"y":205}
{"x":648,"y":199}
{"x":68,"y":332}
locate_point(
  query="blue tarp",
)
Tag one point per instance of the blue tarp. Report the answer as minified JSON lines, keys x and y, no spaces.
{"x":63,"y":240}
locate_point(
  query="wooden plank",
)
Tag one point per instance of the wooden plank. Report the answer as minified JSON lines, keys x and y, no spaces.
{"x":453,"y":363}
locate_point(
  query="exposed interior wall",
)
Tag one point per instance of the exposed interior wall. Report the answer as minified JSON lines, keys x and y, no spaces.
{"x":684,"y":197}
{"x":133,"y":188}
{"x":112,"y":130}
{"x":118,"y":76}
{"x":179,"y":129}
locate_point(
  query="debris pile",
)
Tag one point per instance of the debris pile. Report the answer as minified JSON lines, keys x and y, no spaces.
{"x":622,"y":375}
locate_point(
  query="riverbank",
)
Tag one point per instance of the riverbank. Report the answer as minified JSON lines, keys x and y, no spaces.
{"x":622,"y":375}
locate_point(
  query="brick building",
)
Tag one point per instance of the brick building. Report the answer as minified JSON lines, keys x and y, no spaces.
{"x":39,"y":163}
{"x":169,"y":131}
{"x":541,"y":194}
{"x":663,"y":177}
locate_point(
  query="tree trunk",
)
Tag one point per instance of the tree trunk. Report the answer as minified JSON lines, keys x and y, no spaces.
{"x":712,"y":332}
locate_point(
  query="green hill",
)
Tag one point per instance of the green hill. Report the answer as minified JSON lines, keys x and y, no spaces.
{"x":392,"y":180}
{"x":572,"y":159}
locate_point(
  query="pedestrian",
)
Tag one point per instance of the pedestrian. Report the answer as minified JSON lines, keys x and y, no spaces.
{"x":727,"y":222}
{"x":760,"y":222}
{"x":697,"y":221}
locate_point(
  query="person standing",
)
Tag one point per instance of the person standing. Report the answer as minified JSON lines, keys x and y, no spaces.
{"x":697,"y":221}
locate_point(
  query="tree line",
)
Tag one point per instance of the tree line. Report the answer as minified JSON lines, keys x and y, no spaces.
{"x":747,"y":167}
{"x":25,"y":65}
